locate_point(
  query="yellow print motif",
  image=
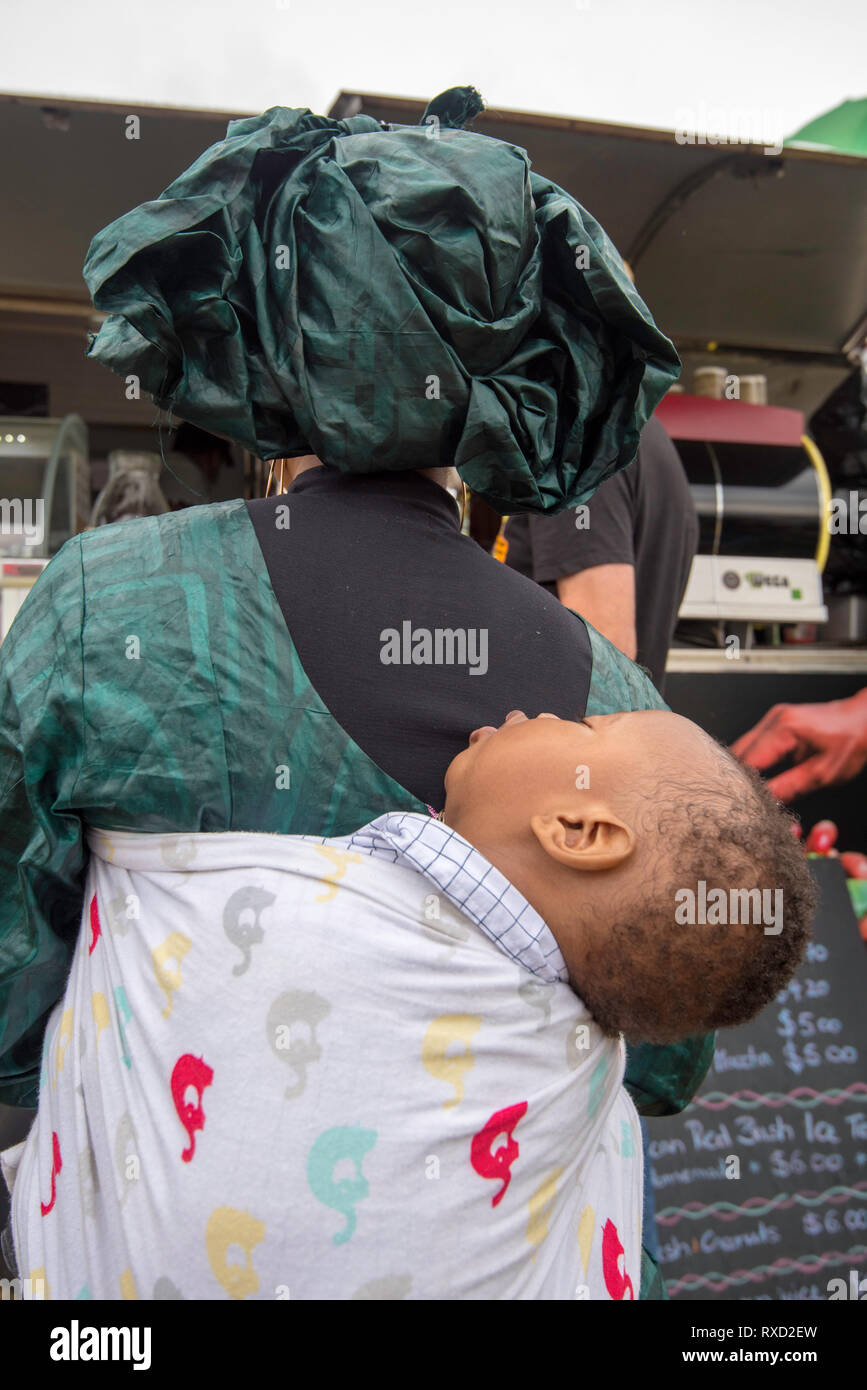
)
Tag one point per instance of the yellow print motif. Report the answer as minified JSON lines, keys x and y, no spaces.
{"x":64,"y":1038}
{"x":540,"y":1205}
{"x":442,"y":1034}
{"x":174,"y":948}
{"x":340,"y":859}
{"x":226,"y":1227}
{"x":586,"y":1227}
{"x":37,"y":1277}
{"x":101,"y":1014}
{"x":128,"y":1290}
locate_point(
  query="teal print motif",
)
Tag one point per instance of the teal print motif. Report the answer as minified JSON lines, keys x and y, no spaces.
{"x":627,"y":1149}
{"x":600,"y":1071}
{"x":332,"y":1146}
{"x":124,"y":1017}
{"x":84,"y":1292}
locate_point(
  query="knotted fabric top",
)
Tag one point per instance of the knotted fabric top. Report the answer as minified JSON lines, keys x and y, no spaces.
{"x":388,"y":298}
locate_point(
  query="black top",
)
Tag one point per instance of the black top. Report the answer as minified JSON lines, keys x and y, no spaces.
{"x":644,"y":516}
{"x":379,"y":589}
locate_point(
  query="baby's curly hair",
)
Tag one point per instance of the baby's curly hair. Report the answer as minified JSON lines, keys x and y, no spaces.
{"x":655,"y":979}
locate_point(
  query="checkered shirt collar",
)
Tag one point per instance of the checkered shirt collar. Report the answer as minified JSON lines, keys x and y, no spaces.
{"x":469,"y":881}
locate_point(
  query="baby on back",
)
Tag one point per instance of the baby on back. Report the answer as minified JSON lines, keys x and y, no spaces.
{"x":390,"y":1064}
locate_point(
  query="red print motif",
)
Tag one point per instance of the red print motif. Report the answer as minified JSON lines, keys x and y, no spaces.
{"x":617,"y":1281}
{"x":195,"y":1072}
{"x":497,"y":1164}
{"x":56,"y":1165}
{"x":95,"y":928}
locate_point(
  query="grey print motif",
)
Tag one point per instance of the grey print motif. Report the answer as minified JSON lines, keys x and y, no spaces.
{"x":88,"y":1182}
{"x":294,"y":1045}
{"x":177,"y":851}
{"x":577,"y":1045}
{"x":393,"y":1286}
{"x":164,"y":1289}
{"x":126,"y":1155}
{"x":537,"y":993}
{"x":450,"y":928}
{"x":244,"y":905}
{"x":116,"y":912}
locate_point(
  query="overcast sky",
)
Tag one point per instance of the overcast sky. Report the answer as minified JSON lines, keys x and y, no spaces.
{"x":767,"y":64}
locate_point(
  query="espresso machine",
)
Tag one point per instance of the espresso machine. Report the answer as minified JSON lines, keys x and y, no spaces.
{"x":763,"y":495}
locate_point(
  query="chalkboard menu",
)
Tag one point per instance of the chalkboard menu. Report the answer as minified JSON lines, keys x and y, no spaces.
{"x":761,"y":1183}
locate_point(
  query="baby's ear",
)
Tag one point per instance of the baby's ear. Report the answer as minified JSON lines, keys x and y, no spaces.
{"x":588,"y":838}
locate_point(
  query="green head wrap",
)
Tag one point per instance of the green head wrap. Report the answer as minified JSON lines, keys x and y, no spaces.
{"x":388,"y":298}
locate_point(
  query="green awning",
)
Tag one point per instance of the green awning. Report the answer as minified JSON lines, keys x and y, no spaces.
{"x":843,"y":129}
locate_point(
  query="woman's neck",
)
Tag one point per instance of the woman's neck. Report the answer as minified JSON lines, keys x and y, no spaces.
{"x":294,"y":467}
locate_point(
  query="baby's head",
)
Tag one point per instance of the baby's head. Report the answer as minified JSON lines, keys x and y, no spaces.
{"x":670,"y":878}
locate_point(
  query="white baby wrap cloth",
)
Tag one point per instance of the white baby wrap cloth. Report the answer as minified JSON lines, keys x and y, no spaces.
{"x":288,"y":1067}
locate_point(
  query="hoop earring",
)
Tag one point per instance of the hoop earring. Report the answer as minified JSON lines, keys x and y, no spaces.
{"x":464,"y":495}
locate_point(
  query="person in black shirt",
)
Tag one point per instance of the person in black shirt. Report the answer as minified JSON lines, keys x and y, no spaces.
{"x":365,"y":555}
{"x":622,"y":560}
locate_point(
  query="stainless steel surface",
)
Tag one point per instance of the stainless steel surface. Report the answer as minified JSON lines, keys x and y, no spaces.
{"x":813,"y":660}
{"x":847,"y":618}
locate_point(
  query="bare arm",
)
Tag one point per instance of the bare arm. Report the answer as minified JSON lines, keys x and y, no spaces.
{"x":605,"y":596}
{"x":827,"y":742}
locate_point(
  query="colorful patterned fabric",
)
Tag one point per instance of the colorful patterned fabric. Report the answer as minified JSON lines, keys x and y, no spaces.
{"x":343,"y":1056}
{"x":149,"y":683}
